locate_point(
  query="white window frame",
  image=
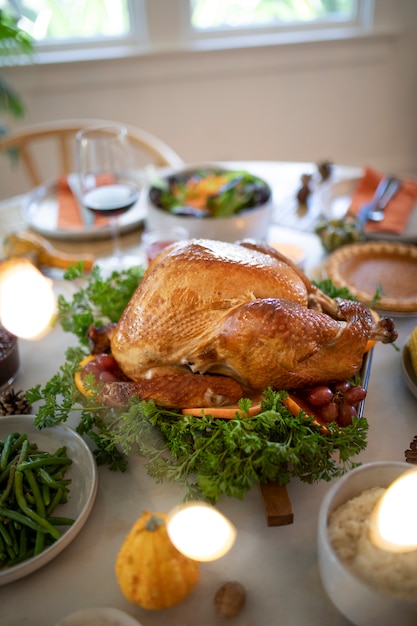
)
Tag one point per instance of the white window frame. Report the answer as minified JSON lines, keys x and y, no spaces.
{"x":163,"y":26}
{"x":281,"y":33}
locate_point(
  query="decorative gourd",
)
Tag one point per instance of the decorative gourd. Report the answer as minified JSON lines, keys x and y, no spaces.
{"x":151,"y":572}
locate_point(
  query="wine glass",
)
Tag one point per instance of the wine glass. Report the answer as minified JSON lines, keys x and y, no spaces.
{"x":109,"y":185}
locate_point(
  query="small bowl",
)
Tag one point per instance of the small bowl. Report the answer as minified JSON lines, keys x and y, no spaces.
{"x":362,"y":604}
{"x":250,"y":222}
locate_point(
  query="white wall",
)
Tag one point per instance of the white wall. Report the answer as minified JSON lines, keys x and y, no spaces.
{"x":351,"y":101}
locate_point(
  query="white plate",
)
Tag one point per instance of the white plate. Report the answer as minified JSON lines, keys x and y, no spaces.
{"x":83,"y":488}
{"x":407,"y":369}
{"x":40,"y":213}
{"x":338,"y":202}
{"x":101,"y":616}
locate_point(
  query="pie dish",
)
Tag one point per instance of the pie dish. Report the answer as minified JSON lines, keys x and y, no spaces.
{"x":380,"y":274}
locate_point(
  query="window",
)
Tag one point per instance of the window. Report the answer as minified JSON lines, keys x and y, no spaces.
{"x":211,"y":14}
{"x":82,"y":29}
{"x":70,"y":19}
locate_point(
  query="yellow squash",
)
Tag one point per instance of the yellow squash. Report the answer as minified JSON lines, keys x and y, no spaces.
{"x":151,"y":572}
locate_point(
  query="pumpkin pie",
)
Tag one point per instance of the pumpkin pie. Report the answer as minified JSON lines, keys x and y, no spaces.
{"x":380,"y":274}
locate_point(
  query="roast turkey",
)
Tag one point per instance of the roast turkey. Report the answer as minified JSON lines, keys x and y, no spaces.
{"x":211,"y":322}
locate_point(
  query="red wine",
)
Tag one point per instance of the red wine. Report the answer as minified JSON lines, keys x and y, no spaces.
{"x":111,"y":200}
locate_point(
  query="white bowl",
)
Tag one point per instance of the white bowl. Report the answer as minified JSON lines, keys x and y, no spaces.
{"x":83,"y":487}
{"x":250,"y":223}
{"x":100,"y":616}
{"x":362,"y":604}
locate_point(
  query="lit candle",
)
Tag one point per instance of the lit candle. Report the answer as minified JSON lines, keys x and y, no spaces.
{"x":200,"y":531}
{"x":393,"y":525}
{"x":27,"y":301}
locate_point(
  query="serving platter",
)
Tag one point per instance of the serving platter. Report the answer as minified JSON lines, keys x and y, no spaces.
{"x":83,"y":486}
{"x":380,"y":274}
{"x":409,"y":374}
{"x":41,"y":213}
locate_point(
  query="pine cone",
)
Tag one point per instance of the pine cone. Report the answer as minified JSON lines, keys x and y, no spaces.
{"x":14,"y":402}
{"x":411,"y":454}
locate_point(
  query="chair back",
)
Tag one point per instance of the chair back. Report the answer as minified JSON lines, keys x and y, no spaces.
{"x":41,"y":148}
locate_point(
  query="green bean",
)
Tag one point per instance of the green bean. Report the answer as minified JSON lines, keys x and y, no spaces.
{"x":55,"y":500}
{"x":39,"y":503}
{"x":23,"y":541}
{"x":46,"y":495}
{"x":19,"y":441}
{"x":5,"y":535}
{"x":24,"y":451}
{"x":9,"y":485}
{"x":23,"y":519}
{"x":61,"y":521}
{"x":39,"y":543}
{"x":32,"y":484}
{"x":47,"y":479}
{"x":21,"y":500}
{"x":7,"y":449}
{"x":52,"y":460}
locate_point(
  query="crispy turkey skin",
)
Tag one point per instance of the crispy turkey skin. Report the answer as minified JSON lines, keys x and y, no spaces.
{"x":240,"y":310}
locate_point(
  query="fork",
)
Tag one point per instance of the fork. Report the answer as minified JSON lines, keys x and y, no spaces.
{"x":375,"y":209}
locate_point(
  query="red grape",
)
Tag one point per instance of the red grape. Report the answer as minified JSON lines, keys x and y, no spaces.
{"x":341,"y":386}
{"x":107,"y":377}
{"x":319,"y":396}
{"x":355,"y":395}
{"x":91,"y":368}
{"x":106,"y":362}
{"x":346,"y":412}
{"x":329,"y":412}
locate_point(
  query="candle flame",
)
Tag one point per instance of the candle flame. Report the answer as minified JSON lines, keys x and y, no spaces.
{"x":393,"y":525}
{"x":200,"y":532}
{"x":27,"y":301}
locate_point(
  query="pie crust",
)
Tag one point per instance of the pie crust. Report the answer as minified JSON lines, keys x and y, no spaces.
{"x":383,"y":268}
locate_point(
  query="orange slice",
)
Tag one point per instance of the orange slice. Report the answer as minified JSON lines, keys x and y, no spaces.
{"x":294,"y":408}
{"x":78,"y":379}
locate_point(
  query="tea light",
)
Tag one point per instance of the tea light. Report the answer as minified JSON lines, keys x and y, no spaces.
{"x":393,"y":524}
{"x":200,"y":532}
{"x":370,"y":585}
{"x":27,"y":301}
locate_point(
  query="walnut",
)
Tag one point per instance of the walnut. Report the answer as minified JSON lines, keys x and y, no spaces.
{"x":229,"y":599}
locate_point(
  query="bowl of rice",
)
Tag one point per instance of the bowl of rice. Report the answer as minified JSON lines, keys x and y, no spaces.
{"x":368,"y":585}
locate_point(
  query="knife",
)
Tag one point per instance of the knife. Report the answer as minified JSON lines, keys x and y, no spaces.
{"x":374,"y":210}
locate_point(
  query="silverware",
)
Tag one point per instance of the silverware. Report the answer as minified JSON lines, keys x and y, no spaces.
{"x":375,"y":209}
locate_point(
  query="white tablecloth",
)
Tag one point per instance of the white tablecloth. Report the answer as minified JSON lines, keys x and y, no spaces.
{"x":277,"y":565}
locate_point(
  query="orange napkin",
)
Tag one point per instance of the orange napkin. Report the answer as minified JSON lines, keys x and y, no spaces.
{"x":69,"y":213}
{"x":397,"y":211}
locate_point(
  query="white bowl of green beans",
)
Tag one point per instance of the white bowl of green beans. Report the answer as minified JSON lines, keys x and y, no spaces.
{"x":48,"y":485}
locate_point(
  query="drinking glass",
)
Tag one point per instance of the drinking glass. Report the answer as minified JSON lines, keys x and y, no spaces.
{"x":109,"y":185}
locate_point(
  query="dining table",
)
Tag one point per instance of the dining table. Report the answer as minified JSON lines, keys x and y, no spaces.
{"x":277,"y":565}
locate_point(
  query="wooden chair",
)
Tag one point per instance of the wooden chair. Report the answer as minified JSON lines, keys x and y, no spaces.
{"x":27,"y":143}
